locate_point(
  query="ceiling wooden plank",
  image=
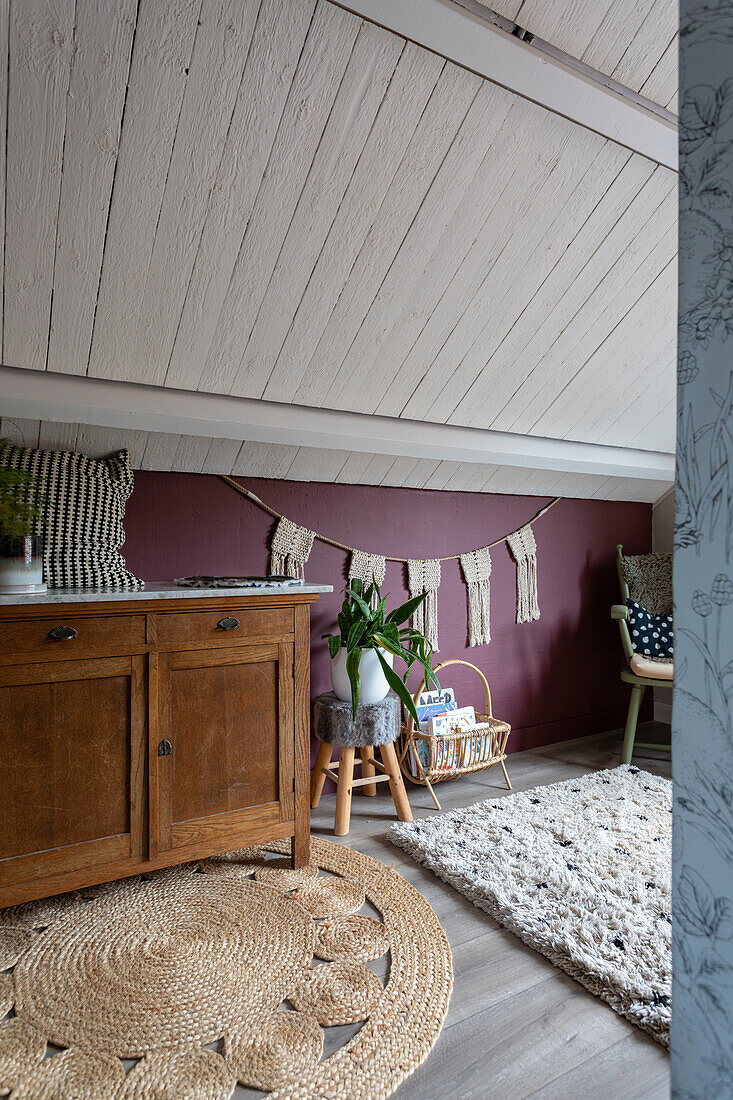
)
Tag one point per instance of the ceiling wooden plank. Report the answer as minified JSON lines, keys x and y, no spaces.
{"x":600,"y":34}
{"x":569,"y":25}
{"x":621,"y":350}
{"x":662,"y":83}
{"x":596,"y":346}
{"x":452,"y":277}
{"x":409,"y":90}
{"x":364,"y":469}
{"x":470,"y":478}
{"x":647,"y":414}
{"x":103,"y":44}
{"x":527,"y":70}
{"x":160,"y":451}
{"x":604,"y":49}
{"x":215,"y":73}
{"x":445,"y":116}
{"x":441,"y":475}
{"x":454,"y":177}
{"x":316,"y":83}
{"x":549,"y":359}
{"x":276,"y":47}
{"x":98,"y":442}
{"x":265,"y":460}
{"x":648,"y":45}
{"x":4,"y":47}
{"x":41,"y":51}
{"x":190,"y":454}
{"x":612,"y":387}
{"x":221,"y":456}
{"x":160,"y":60}
{"x":515,"y":299}
{"x":313,"y":464}
{"x":58,"y":437}
{"x":20,"y":430}
{"x":638,"y":248}
{"x":506,"y":479}
{"x":371,"y":67}
{"x":422,"y":471}
{"x":513,"y":286}
{"x":660,"y":425}
{"x":399,"y":472}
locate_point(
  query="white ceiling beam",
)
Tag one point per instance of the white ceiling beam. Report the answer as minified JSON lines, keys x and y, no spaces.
{"x":476,"y":44}
{"x":72,"y":399}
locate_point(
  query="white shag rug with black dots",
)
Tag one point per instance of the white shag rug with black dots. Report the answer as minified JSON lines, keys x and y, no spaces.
{"x":579,"y":870}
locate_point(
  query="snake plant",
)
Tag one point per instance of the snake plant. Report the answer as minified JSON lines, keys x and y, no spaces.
{"x":363,"y":627}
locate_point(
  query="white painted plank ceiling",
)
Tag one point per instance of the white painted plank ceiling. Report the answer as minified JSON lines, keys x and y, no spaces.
{"x":633,"y":41}
{"x":276,"y":199}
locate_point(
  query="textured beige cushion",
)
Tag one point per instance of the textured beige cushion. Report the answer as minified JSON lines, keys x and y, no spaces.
{"x":655,"y":670}
{"x":649,"y":577}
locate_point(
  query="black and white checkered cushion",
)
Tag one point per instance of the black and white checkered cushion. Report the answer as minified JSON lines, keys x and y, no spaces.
{"x":85,"y":508}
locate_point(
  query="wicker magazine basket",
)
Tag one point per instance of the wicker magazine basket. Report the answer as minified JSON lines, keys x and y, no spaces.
{"x":452,"y":755}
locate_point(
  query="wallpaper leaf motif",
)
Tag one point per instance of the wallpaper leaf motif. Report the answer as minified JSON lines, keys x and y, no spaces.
{"x":702,"y":1063}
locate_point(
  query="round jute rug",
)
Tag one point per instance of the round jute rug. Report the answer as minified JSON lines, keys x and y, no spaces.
{"x":224,"y":971}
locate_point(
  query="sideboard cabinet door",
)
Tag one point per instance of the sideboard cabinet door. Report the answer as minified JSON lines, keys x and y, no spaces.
{"x":72,"y":766}
{"x":221,"y":750}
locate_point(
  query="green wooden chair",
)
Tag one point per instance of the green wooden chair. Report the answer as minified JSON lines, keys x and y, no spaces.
{"x":646,"y":578}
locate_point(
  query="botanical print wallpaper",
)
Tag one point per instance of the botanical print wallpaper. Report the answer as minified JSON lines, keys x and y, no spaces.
{"x":702,"y":1016}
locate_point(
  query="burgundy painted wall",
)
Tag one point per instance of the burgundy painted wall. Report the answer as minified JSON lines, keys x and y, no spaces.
{"x":552,"y":680}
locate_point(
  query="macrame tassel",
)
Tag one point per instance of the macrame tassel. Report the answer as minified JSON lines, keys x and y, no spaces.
{"x":476,"y":566}
{"x":290,"y":549}
{"x":368,"y":568}
{"x":524,"y":548}
{"x":424,"y":576}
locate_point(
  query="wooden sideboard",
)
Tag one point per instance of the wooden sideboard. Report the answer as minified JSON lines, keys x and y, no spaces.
{"x":137,"y":733}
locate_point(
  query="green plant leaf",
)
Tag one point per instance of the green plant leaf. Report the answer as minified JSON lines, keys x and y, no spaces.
{"x":355,"y":635}
{"x":397,"y":685}
{"x":353,"y":660}
{"x":402,"y":613}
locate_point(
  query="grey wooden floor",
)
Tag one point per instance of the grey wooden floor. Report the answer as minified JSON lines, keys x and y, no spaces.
{"x":517,"y":1027}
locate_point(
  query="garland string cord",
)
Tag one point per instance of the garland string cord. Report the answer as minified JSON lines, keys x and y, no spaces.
{"x":350,"y":549}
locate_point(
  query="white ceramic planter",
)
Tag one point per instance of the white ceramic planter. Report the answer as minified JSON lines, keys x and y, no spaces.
{"x":21,"y":565}
{"x":374,"y":684}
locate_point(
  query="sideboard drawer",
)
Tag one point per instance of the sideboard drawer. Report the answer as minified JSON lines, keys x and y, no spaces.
{"x":73,"y":636}
{"x":233,"y":626}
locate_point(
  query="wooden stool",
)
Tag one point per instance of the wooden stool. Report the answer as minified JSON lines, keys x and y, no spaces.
{"x":376,"y":727}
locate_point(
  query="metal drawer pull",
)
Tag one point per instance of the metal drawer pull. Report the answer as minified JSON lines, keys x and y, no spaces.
{"x":62,"y":633}
{"x":228,"y":624}
{"x":165,"y":748}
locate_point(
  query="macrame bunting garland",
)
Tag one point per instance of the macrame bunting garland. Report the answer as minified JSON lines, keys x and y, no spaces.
{"x":290,"y":549}
{"x":369,"y":568}
{"x":476,"y":566}
{"x":524,"y":549}
{"x":291,"y":546}
{"x":424,"y":576}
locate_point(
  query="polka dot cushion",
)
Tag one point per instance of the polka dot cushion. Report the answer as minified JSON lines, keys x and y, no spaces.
{"x":651,"y":635}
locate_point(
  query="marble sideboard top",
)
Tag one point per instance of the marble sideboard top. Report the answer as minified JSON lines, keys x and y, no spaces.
{"x":154,"y":590}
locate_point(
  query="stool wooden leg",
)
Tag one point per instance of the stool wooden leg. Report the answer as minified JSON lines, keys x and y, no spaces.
{"x":396,"y":784}
{"x":343,"y":791}
{"x":367,"y":769}
{"x":318,"y":778}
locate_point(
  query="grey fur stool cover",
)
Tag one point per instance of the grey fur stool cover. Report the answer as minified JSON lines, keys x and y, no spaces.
{"x":376,"y":723}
